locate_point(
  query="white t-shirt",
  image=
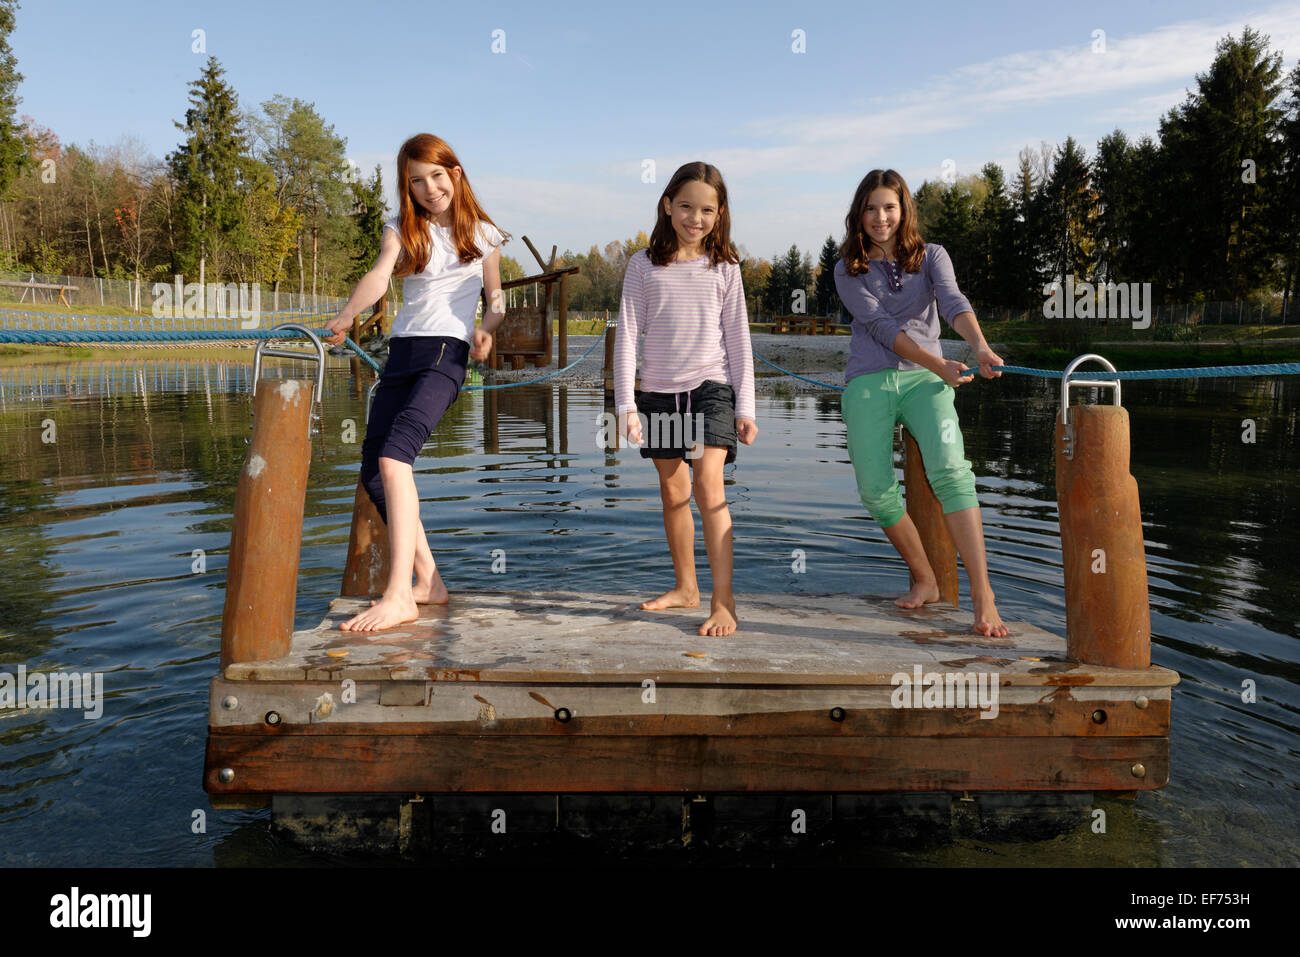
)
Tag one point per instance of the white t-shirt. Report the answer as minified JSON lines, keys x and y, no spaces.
{"x":443,"y":299}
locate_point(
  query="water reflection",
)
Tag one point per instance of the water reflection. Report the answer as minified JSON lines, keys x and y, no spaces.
{"x":99,"y":529}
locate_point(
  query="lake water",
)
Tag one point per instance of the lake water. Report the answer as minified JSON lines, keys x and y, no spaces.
{"x":115,"y":473}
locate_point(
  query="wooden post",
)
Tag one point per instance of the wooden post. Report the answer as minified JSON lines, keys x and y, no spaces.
{"x":927,"y":514}
{"x":611,"y":330}
{"x":366,"y":571}
{"x":262,"y":576}
{"x":1107,"y":608}
{"x":564,"y":324}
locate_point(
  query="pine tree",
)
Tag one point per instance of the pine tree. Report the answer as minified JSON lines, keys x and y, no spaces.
{"x":14,"y":153}
{"x":953,"y":228}
{"x":1223,"y":135}
{"x":1287,"y":194}
{"x":991,"y":269}
{"x":789,"y":273}
{"x":1114,"y":183}
{"x":206,"y":168}
{"x":369,"y":213}
{"x":1071,"y":214}
{"x":828,"y":301}
{"x":1026,"y":271}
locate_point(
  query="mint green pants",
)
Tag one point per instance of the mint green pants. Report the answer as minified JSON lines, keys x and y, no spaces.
{"x":871,"y":407}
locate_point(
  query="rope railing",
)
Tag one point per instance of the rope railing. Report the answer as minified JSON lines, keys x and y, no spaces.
{"x":1194,"y":372}
{"x":89,"y":336}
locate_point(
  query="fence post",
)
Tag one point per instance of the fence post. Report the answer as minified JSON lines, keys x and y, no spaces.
{"x":611,"y":330}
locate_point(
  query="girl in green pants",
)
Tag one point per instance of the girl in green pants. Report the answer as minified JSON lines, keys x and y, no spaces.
{"x":895,"y":285}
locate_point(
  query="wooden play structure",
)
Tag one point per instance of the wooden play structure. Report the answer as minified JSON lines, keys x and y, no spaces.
{"x":525,"y":336}
{"x":579,"y":691}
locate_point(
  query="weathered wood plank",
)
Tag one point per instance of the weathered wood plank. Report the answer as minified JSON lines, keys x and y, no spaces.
{"x":569,"y":638}
{"x":1013,"y":721}
{"x":306,"y":764}
{"x":241,"y":707}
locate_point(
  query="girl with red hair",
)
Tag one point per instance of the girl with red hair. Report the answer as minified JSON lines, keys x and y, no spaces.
{"x":448,"y":251}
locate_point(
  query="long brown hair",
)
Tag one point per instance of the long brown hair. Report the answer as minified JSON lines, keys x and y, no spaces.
{"x":663,"y":241}
{"x":909,"y":247}
{"x":413,"y":226}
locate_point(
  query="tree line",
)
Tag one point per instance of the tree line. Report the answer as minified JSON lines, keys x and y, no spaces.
{"x":266,"y":197}
{"x":1209,"y":210}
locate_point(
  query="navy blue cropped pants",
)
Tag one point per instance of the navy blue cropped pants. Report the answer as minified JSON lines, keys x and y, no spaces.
{"x":421,"y":380}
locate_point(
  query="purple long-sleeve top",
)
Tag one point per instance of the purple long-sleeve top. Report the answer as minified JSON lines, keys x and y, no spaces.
{"x":880,"y":314}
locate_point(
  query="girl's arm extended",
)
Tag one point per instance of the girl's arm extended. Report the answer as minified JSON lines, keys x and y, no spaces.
{"x":495,"y":313}
{"x":740,"y":355}
{"x":370,"y":288}
{"x":866,"y":308}
{"x":957,"y":307}
{"x":968,"y":327}
{"x":625,"y":340}
{"x":949,"y":370}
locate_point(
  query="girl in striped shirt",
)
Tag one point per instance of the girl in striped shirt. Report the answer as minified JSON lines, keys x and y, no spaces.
{"x":685,"y":296}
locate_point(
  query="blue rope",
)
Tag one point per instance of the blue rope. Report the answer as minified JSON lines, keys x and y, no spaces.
{"x":1197,"y":372}
{"x":826,"y":385}
{"x":322,"y":309}
{"x":363,"y":354}
{"x":48,"y":336}
{"x":54,"y":336}
{"x":503,"y":385}
{"x":511,"y":385}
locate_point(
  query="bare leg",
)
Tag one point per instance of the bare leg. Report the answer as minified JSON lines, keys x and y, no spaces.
{"x":429,"y":588}
{"x":967,"y":531}
{"x":398,"y":602}
{"x":925,"y":587}
{"x":679,"y":525}
{"x":711,"y":500}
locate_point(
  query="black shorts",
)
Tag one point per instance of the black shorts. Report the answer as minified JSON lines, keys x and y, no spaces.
{"x":672,"y":422}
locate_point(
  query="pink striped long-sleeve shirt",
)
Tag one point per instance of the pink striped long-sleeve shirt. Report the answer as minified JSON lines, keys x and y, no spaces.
{"x":693,"y":318}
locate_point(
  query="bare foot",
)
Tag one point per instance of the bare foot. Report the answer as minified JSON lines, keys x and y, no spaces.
{"x":721,"y":621}
{"x":381,"y":614}
{"x":919,"y":594}
{"x":676,"y":598}
{"x":432,"y":592}
{"x":987,"y":620}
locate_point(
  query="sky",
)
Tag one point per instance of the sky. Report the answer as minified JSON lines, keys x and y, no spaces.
{"x":560,"y":113}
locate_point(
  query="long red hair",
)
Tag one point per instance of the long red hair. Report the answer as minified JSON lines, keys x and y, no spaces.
{"x":413,"y":227}
{"x":909,"y":247}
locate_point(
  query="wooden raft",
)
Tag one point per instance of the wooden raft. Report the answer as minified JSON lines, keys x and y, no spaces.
{"x":567,"y":693}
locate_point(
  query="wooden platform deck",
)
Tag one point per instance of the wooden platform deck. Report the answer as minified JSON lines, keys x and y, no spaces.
{"x":572,"y":693}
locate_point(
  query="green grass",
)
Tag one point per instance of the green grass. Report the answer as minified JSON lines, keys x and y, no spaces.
{"x":17,"y":355}
{"x":1148,"y":356}
{"x":1015,"y":331}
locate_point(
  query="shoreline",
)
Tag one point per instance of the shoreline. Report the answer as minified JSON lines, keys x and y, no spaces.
{"x":819,"y":357}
